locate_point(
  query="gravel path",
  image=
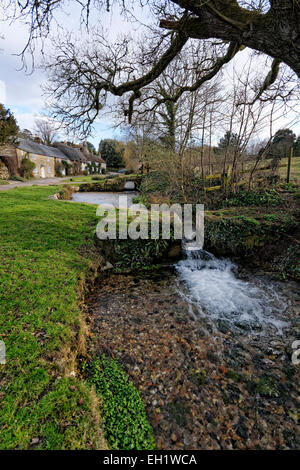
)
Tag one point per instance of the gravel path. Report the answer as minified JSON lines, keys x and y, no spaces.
{"x":39,"y":182}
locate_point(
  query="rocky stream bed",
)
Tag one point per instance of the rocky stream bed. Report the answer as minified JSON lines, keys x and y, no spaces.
{"x":204,"y":385}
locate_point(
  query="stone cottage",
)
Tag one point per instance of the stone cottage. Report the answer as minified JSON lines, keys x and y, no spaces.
{"x":83,"y":160}
{"x":43,"y":156}
{"x":58,"y":159}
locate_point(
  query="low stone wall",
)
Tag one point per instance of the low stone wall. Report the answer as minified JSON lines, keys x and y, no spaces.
{"x":237,"y":235}
{"x":138,"y":255}
{"x":117,"y":184}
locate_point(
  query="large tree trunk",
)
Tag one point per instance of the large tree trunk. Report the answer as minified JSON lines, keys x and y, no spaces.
{"x":275,"y":33}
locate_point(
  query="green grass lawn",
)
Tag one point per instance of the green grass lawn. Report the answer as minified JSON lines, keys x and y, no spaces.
{"x":84,"y":179}
{"x":45,"y":260}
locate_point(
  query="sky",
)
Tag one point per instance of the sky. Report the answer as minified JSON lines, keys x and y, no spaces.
{"x":21,"y":92}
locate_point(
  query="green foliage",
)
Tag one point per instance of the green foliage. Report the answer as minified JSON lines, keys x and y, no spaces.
{"x":252,"y":198}
{"x":8,"y":126}
{"x":141,"y":199}
{"x":26,"y":168}
{"x":270,"y":217}
{"x":123,"y":413}
{"x":91,"y":148}
{"x":16,"y":178}
{"x":247,"y":220}
{"x":111,"y":152}
{"x":281,"y":143}
{"x":231,"y":234}
{"x":139,"y":254}
{"x":155,"y":182}
{"x":94,"y":168}
{"x":229,"y":141}
{"x":68,"y":167}
{"x":58,"y":169}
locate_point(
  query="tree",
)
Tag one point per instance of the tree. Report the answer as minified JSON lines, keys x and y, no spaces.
{"x":111,"y":152}
{"x":175,"y":123}
{"x":91,"y":148}
{"x":229,"y":141}
{"x":46,"y":129}
{"x":8,"y":126}
{"x":269,"y":27}
{"x":281,"y":143}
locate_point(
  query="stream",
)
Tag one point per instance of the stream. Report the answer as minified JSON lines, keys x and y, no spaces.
{"x":104,"y":198}
{"x":208,"y":344}
{"x":215,"y":293}
{"x":209,"y":347}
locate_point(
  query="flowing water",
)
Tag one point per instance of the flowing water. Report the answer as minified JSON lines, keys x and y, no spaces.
{"x":211,"y":288}
{"x":208,"y":345}
{"x":215,"y":293}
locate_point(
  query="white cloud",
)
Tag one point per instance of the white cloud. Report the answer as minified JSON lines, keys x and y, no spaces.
{"x":2,"y":92}
{"x":24,"y":120}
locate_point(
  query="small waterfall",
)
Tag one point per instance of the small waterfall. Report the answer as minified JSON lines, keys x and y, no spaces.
{"x":129,"y":185}
{"x":214,"y":292}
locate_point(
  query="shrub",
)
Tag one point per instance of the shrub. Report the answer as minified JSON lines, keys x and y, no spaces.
{"x":16,"y":178}
{"x":124,"y":418}
{"x":155,"y":181}
{"x":26,"y":168}
{"x":58,"y":169}
{"x":68,"y":167}
{"x":252,"y":198}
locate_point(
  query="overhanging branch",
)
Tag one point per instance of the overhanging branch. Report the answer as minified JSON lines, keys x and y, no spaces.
{"x":233,"y":49}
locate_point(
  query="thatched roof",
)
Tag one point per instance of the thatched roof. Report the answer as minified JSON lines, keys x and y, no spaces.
{"x":59,"y":150}
{"x":74,"y":154}
{"x":31,"y":146}
{"x":89,"y":155}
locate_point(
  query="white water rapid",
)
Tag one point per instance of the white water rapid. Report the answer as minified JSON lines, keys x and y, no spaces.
{"x":215,"y":293}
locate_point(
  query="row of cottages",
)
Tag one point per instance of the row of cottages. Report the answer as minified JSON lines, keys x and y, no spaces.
{"x":58,"y":159}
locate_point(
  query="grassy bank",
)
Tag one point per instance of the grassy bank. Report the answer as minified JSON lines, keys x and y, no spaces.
{"x":47,"y":256}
